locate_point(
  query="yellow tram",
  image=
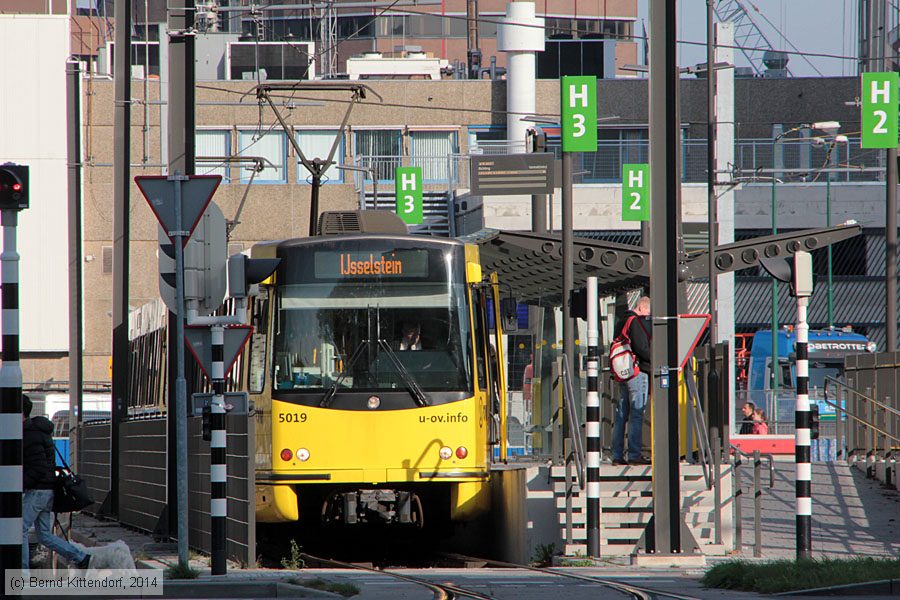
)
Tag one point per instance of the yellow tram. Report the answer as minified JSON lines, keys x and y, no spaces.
{"x":353,"y":424}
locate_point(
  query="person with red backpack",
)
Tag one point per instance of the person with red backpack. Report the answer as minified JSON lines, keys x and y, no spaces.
{"x":634,"y":330}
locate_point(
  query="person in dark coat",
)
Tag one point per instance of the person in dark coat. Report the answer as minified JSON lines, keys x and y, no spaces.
{"x":747,"y":422}
{"x":633,"y":402}
{"x":38,"y":476}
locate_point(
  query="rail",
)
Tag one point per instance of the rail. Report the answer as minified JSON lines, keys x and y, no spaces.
{"x":860,"y":420}
{"x":756,"y":457}
{"x":840,"y":383}
{"x":578,"y":454}
{"x":698,"y":419}
{"x":842,"y":408}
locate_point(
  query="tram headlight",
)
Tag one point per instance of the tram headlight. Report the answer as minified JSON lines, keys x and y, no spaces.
{"x":286,"y":454}
{"x":446,"y":452}
{"x":302,"y":454}
{"x":461,"y":452}
{"x":374,"y":402}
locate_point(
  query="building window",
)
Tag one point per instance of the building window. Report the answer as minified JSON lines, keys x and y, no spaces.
{"x":317,"y":144}
{"x":144,"y":58}
{"x":430,"y":150}
{"x":269,"y":145}
{"x":271,"y":60}
{"x":379,"y":150}
{"x":487,"y":139}
{"x":210,"y":143}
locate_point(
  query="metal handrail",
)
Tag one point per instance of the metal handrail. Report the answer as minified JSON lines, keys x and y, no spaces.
{"x":860,"y":394}
{"x":574,"y":424}
{"x":703,"y":443}
{"x":768,"y":457}
{"x":863,"y":421}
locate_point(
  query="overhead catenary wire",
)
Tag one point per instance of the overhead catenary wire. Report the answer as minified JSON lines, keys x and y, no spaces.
{"x":499,"y":21}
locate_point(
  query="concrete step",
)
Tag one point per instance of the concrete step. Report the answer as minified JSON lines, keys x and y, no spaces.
{"x":610,"y":504}
{"x":607,"y":519}
{"x":607,"y":471}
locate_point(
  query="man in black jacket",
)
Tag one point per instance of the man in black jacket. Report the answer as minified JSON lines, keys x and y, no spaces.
{"x":633,"y":401}
{"x":38,"y":475}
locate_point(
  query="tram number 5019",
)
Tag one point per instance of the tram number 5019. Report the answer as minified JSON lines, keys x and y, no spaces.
{"x":292,"y":417}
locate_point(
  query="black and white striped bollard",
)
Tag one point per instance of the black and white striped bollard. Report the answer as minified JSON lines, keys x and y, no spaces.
{"x":592,"y":421}
{"x":218,"y":504}
{"x":10,"y":403}
{"x":803,"y":289}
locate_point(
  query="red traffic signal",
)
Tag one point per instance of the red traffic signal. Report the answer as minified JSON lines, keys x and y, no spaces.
{"x":13,"y":187}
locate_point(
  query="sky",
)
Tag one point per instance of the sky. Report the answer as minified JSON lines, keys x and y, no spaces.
{"x":819,"y":26}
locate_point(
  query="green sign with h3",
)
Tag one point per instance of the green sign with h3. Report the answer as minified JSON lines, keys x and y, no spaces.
{"x":636,"y":192}
{"x":879,"y":110}
{"x":578,"y":103}
{"x":408,"y":185}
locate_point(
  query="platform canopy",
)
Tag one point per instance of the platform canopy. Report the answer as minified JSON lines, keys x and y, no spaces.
{"x":531,"y":263}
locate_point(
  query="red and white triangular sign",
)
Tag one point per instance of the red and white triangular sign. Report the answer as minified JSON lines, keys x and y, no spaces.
{"x":199,"y":340}
{"x":690,"y":330}
{"x":196,"y":193}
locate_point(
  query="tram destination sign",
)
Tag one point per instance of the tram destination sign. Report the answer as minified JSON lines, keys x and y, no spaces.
{"x":512,"y":174}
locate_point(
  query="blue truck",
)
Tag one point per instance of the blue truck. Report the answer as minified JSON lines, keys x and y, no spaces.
{"x":827,"y":350}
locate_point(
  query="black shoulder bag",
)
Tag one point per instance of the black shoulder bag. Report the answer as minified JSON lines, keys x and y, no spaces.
{"x":70,"y":492}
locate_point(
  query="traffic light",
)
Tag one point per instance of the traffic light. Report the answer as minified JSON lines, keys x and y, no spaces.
{"x":13,"y":187}
{"x":206,"y":424}
{"x":813,"y":421}
{"x":244,"y":272}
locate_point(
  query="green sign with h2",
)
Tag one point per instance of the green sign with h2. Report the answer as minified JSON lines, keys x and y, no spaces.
{"x":408,"y":186}
{"x":578,"y":103}
{"x":879,"y":110}
{"x":636,"y":192}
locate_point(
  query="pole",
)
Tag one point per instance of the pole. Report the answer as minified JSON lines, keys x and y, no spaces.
{"x":801,"y":437}
{"x":890,"y":222}
{"x":218,"y":508}
{"x":10,"y":401}
{"x":181,"y":146}
{"x":712,"y":224}
{"x":539,"y":201}
{"x":473,"y":53}
{"x":181,"y":452}
{"x":775,"y":374}
{"x":592,"y":420}
{"x":891,"y":251}
{"x":830,"y":296}
{"x":568,"y":252}
{"x":121,"y":238}
{"x":314,"y":199}
{"x":665,"y":215}
{"x":76,"y":303}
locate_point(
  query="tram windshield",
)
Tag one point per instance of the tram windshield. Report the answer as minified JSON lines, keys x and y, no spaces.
{"x":362,"y":318}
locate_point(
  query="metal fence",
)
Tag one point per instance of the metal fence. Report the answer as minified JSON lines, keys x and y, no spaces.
{"x":144,"y":480}
{"x":787,"y":160}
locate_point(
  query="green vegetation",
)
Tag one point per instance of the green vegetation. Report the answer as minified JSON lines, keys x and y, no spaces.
{"x":179,"y":572}
{"x":294,"y":562}
{"x":787,"y":575}
{"x":543,"y":555}
{"x":344,"y":589}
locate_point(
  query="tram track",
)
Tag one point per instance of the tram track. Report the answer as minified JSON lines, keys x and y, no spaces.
{"x":635,"y":591}
{"x":442,"y":591}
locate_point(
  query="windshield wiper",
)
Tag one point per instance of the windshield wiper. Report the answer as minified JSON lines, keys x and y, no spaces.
{"x":329,"y":395}
{"x":413,"y":387}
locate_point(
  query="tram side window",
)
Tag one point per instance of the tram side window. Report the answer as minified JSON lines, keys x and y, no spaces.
{"x":479,"y":300}
{"x":257,"y":366}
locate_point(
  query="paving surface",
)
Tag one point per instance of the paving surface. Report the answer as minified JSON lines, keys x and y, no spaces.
{"x":852,"y":515}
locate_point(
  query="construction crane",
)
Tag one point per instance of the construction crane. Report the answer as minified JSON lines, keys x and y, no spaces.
{"x":748,"y":37}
